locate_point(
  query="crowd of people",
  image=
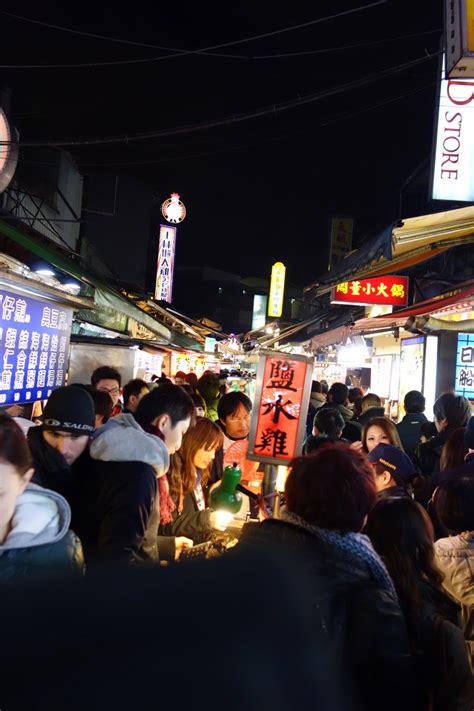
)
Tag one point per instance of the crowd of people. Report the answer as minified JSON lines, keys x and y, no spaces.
{"x":379,"y":516}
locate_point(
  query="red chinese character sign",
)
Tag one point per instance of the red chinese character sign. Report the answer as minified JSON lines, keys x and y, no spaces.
{"x":281,"y":404}
{"x":387,"y":290}
{"x":164,"y":273}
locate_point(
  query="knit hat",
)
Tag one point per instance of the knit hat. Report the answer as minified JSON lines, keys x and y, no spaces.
{"x":469,"y":434}
{"x":70,"y":409}
{"x":395,"y":461}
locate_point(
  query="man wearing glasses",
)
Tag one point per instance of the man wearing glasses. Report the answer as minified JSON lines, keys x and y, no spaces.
{"x":108,"y":380}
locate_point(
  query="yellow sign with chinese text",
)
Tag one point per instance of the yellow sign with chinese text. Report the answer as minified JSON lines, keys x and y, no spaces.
{"x":277,"y":290}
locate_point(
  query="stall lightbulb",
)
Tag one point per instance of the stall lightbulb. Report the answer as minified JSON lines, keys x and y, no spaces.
{"x":269,"y":330}
{"x":45,"y":272}
{"x":223,"y":518}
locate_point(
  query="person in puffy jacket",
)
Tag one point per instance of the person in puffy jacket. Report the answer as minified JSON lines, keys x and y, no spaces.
{"x":454,"y":505}
{"x":35,"y":540}
{"x":355,"y":615}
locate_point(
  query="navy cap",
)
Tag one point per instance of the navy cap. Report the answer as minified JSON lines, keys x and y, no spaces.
{"x":395,"y":461}
{"x":469,"y":434}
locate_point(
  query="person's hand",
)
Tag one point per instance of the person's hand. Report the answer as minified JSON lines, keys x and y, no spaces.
{"x":358,"y":446}
{"x":220,"y":520}
{"x":15,"y":410}
{"x":181,"y":543}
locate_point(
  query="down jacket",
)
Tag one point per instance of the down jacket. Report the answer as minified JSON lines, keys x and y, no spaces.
{"x":40,"y":543}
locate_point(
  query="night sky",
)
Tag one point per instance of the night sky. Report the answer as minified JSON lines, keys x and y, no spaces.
{"x":259,"y":190}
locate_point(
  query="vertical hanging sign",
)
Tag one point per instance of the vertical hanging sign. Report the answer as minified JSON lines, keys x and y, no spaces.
{"x":277,"y":290}
{"x":164,"y":273}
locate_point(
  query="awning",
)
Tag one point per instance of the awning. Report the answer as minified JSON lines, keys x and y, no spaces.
{"x":104,"y":296}
{"x":416,"y":240}
{"x":459,"y":300}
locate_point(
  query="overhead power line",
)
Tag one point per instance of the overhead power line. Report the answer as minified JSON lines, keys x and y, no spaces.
{"x":287,"y":55}
{"x":235,"y":118}
{"x":343,"y":116}
{"x":178,"y":52}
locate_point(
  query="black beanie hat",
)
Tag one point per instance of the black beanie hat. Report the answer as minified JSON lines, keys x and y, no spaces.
{"x":70,"y":409}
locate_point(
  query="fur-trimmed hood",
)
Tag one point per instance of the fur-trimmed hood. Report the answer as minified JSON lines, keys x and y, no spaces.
{"x":123,"y":440}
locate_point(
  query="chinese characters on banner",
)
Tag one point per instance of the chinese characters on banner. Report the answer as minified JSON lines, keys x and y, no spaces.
{"x":464,"y":384}
{"x":280,"y":409}
{"x":341,"y":239}
{"x":164,"y":273}
{"x":34,"y":347}
{"x":277,"y":290}
{"x":388,"y":290}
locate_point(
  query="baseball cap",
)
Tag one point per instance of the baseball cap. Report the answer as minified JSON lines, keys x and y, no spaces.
{"x":396,"y":461}
{"x":70,"y":409}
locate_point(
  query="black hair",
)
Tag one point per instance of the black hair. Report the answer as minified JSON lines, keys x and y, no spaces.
{"x":167,"y":399}
{"x":229,"y":403}
{"x":134,"y":387}
{"x":103,"y":404}
{"x":454,"y":503}
{"x":338,"y":393}
{"x":105,"y":372}
{"x":414,"y":402}
{"x":324,"y":387}
{"x":316,"y":387}
{"x":428,"y":430}
{"x":329,"y":422}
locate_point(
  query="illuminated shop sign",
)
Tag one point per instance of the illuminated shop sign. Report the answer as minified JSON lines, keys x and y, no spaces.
{"x":34,"y":347}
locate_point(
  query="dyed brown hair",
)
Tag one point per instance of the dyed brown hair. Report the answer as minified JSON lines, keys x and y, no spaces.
{"x":333,"y":488}
{"x":204,"y":435}
{"x":388,"y":427}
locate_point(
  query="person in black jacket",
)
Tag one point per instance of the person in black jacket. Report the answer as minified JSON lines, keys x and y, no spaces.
{"x":355,"y":613}
{"x":328,"y":426}
{"x":188,"y":477}
{"x":35,"y":540}
{"x":123,"y":495}
{"x":409,"y":428}
{"x":450,"y":412}
{"x":401,"y":532}
{"x":58,"y":445}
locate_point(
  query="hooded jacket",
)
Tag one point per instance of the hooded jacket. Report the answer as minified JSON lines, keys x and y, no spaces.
{"x":455,"y":559}
{"x":40,"y":543}
{"x":354,"y":619}
{"x":117,"y":507}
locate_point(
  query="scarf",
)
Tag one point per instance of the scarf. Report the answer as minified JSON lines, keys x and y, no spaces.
{"x":356,"y":544}
{"x":167,"y":505}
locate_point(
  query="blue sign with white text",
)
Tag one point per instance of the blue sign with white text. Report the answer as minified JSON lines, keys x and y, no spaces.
{"x":464,"y":384}
{"x":34,"y":347}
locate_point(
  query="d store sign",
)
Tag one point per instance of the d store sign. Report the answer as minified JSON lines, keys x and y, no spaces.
{"x":453,"y":173}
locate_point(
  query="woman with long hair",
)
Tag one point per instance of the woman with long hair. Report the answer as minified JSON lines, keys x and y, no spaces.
{"x":450,"y":413}
{"x":35,"y":540}
{"x":454,"y":450}
{"x":402,"y":534}
{"x":188,"y":477}
{"x":380,"y":430}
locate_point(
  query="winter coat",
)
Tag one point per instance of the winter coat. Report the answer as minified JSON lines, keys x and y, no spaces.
{"x":117,"y":506}
{"x":190,"y":521}
{"x":316,"y":403}
{"x":369,"y":414}
{"x":455,"y":559}
{"x":51,"y":469}
{"x":40,"y":544}
{"x":409,"y":431}
{"x":353,"y":618}
{"x":428,"y":454}
{"x":443,"y":668}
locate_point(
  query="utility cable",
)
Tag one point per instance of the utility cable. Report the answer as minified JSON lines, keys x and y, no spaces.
{"x":236,"y":118}
{"x":175,"y":52}
{"x":288,"y":55}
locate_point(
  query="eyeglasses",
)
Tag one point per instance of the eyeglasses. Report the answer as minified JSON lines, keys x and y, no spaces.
{"x":111,"y":391}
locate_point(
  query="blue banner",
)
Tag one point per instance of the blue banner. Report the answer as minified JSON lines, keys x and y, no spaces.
{"x":34,"y":347}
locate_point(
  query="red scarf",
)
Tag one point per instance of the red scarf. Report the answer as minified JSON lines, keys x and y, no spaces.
{"x":167,"y":505}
